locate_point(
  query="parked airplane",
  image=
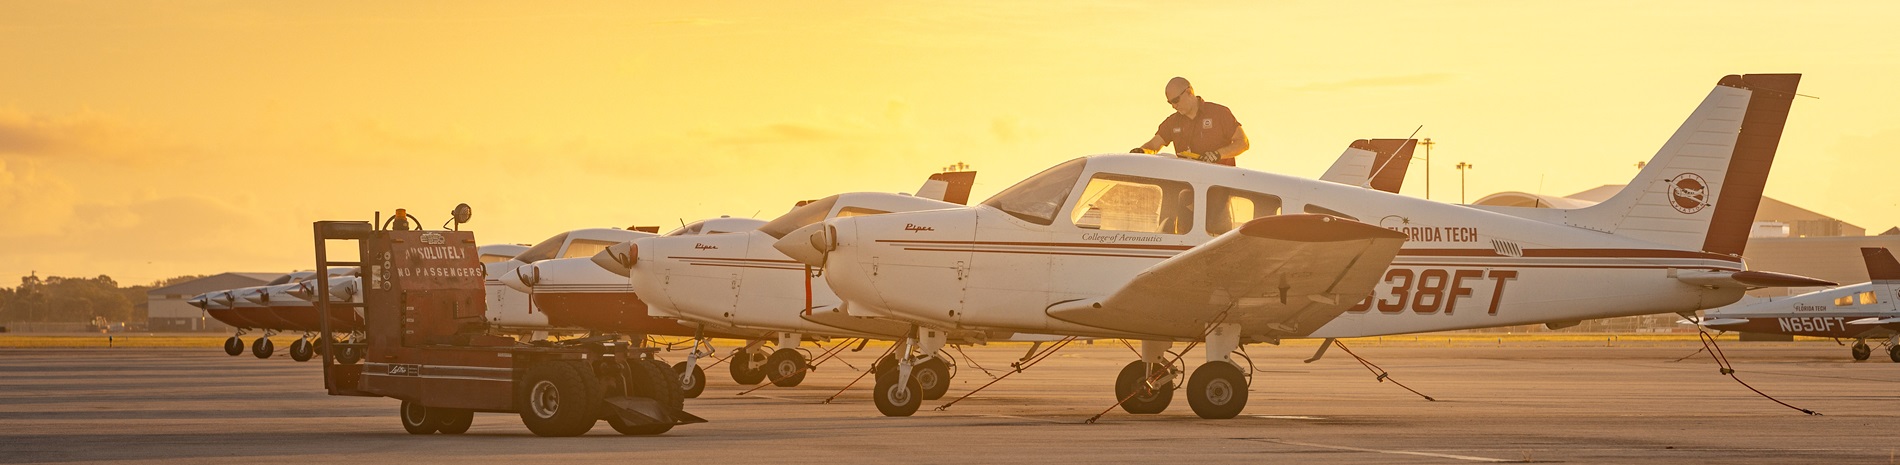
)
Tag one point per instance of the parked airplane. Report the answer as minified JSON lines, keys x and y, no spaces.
{"x":509,"y":310}
{"x":599,"y":288}
{"x":1860,"y":312}
{"x":1166,"y":250}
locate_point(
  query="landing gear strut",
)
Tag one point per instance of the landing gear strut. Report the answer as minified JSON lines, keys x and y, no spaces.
{"x":693,"y":379}
{"x":1146,"y":386}
{"x":1218,"y":389}
{"x":262,"y":347}
{"x":899,"y":390}
{"x":234,"y":346}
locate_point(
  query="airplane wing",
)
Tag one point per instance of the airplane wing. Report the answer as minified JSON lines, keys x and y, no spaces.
{"x":1278,"y":276}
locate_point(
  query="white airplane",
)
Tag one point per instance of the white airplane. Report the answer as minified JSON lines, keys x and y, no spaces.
{"x":1165,"y":250}
{"x":509,"y":310}
{"x":738,"y":282}
{"x":1860,"y":312}
{"x":595,"y":293}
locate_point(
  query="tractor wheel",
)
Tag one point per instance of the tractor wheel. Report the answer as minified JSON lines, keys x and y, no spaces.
{"x":451,"y":420}
{"x":417,"y":419}
{"x":654,"y":380}
{"x":560,"y":398}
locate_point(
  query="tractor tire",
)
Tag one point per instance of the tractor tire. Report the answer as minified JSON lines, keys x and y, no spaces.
{"x":655,"y":380}
{"x":417,"y":419}
{"x":560,"y":398}
{"x":451,"y":420}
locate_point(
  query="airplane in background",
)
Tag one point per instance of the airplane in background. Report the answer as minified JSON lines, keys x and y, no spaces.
{"x":1860,"y":312}
{"x":1164,"y":250}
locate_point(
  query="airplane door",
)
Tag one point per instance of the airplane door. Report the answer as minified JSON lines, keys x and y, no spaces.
{"x":1008,"y":283}
{"x":932,"y":250}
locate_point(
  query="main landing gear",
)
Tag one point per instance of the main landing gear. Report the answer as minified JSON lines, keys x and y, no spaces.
{"x":1861,"y":350}
{"x":912,"y":375}
{"x":786,"y":366}
{"x":234,"y":346}
{"x":1217,"y":389}
{"x":1893,"y":348}
{"x":262,"y":347}
{"x":747,"y":363}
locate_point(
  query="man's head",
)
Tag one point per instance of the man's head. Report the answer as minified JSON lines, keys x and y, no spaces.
{"x":1180,"y":95}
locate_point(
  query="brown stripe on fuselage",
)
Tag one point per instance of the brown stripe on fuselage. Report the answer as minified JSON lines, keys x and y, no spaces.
{"x":761,"y":260}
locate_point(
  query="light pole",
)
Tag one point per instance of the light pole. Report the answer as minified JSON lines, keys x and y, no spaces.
{"x":1462,"y":166}
{"x":1428,"y":167}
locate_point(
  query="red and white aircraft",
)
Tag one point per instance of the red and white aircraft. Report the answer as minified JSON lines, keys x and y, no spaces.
{"x":1166,"y":250}
{"x":1860,"y":312}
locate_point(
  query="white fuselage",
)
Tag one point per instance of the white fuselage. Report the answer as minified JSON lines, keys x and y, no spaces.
{"x":982,"y":267}
{"x":511,"y":309}
{"x":1823,"y":313}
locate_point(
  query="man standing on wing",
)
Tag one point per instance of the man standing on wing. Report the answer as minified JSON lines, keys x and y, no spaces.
{"x":1199,"y":129}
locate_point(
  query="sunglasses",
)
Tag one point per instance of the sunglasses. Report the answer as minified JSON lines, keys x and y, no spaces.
{"x":1177,"y":96}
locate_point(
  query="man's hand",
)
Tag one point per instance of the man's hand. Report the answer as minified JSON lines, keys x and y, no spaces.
{"x":1142,"y":150}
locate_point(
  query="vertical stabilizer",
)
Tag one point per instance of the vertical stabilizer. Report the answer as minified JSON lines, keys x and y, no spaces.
{"x":1376,"y":163}
{"x":953,"y":187}
{"x":1881,"y":266}
{"x":1701,"y":189}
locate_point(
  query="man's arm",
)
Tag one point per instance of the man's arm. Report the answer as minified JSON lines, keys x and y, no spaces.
{"x":1153,"y":145}
{"x":1235,"y":145}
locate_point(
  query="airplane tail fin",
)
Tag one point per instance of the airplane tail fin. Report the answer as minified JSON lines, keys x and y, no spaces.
{"x":1376,"y":163}
{"x":1881,"y":266}
{"x":953,"y":187}
{"x":1701,"y":189}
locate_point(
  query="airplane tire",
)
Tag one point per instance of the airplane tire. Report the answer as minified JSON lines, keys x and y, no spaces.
{"x":933,"y":378}
{"x":786,"y":367}
{"x":690,"y":387}
{"x":263,"y":348}
{"x":234,"y":346}
{"x":1893,"y":353}
{"x":893,"y":399}
{"x":1148,"y":402}
{"x":300,"y":350}
{"x":1861,"y":351}
{"x":654,"y":380}
{"x":349,"y":356}
{"x":417,"y":419}
{"x":560,"y":398}
{"x":1217,"y":391}
{"x":741,"y":367}
{"x":451,"y":420}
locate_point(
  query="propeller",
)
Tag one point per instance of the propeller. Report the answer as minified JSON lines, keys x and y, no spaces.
{"x":618,"y":258}
{"x":811,"y":244}
{"x":523,"y":278}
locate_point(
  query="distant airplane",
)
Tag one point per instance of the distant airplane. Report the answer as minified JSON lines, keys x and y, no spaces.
{"x":1165,"y":250}
{"x":1860,"y":312}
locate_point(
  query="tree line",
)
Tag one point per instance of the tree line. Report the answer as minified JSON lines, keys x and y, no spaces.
{"x":75,"y":299}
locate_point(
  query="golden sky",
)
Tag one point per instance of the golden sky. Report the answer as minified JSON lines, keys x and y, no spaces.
{"x":150,"y":139}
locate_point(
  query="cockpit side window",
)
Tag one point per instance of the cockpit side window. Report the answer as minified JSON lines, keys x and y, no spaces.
{"x":585,"y":248}
{"x":1114,"y":202}
{"x":1039,"y":198}
{"x":1228,"y":208}
{"x":1310,"y":208}
{"x":492,"y":258}
{"x":687,"y":230}
{"x":544,"y":250}
{"x":799,"y":217}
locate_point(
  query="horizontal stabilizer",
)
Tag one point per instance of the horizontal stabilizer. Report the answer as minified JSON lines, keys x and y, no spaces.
{"x":1712,"y":321}
{"x":1876,"y":321}
{"x":1750,"y":279}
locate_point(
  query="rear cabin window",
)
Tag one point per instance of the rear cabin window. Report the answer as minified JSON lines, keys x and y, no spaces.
{"x":1114,"y":202}
{"x":848,"y":212}
{"x":585,"y":248}
{"x":1310,"y":208}
{"x":487,"y":259}
{"x":1228,"y":208}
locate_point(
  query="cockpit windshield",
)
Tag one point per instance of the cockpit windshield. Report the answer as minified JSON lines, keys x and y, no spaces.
{"x":687,"y":230}
{"x":799,"y":217}
{"x":1039,"y":198}
{"x":544,"y":250}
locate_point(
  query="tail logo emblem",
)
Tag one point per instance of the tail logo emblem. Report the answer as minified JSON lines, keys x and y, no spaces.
{"x":1689,"y":193}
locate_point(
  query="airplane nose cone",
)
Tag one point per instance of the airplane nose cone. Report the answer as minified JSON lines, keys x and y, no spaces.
{"x":523,"y":278}
{"x":200,"y":301}
{"x":259,"y":296}
{"x":344,"y":289}
{"x":810,"y":244}
{"x":303,"y":290}
{"x":618,"y":258}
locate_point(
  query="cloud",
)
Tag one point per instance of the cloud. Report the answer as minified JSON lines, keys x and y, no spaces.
{"x":1382,"y":81}
{"x":81,"y":135}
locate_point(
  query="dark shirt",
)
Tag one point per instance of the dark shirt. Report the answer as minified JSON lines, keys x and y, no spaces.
{"x":1212,"y":129}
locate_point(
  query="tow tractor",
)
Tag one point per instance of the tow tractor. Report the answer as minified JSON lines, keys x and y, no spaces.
{"x":425,"y":342}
